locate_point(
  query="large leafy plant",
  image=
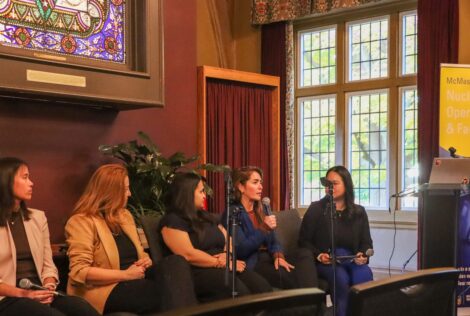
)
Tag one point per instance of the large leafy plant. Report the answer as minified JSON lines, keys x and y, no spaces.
{"x":150,"y":173}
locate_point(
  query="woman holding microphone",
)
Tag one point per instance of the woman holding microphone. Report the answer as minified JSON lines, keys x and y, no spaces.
{"x":25,"y":253}
{"x":256,"y":241}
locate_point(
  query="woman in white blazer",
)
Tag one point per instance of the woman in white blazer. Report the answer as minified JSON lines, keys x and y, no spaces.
{"x":26,"y":252}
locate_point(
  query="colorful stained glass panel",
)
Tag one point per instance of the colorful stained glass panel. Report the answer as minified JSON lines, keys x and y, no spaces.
{"x":84,"y":28}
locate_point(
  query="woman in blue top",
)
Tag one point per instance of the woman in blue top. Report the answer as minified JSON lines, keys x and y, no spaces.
{"x":256,"y":241}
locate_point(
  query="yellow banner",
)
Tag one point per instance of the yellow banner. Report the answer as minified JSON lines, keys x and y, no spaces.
{"x":454,"y":115}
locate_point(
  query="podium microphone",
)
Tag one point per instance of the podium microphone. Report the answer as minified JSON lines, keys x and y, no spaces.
{"x":28,"y":285}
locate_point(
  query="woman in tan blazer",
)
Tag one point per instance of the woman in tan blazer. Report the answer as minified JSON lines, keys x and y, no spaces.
{"x":108,"y":266}
{"x":26,"y":251}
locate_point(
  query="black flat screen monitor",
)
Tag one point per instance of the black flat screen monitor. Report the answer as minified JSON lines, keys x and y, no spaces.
{"x":429,"y":292}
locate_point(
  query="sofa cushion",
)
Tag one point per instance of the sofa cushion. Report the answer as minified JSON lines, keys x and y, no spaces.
{"x":287,"y":231}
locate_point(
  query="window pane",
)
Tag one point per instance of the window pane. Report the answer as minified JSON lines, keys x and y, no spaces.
{"x":409,"y":43}
{"x":318,"y":129}
{"x":368,"y":47}
{"x":318,"y":55}
{"x":368,"y":121}
{"x":409,"y":146}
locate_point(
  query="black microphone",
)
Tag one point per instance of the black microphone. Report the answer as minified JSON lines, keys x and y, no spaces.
{"x":267,"y":204}
{"x":369,"y":253}
{"x":28,"y":285}
{"x":325,"y":182}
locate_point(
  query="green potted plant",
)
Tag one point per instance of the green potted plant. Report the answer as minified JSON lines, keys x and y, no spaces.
{"x":150,"y":173}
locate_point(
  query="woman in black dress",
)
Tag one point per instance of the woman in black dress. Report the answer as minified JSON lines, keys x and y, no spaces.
{"x":188,"y":230}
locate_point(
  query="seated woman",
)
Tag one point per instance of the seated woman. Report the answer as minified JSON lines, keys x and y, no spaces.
{"x":26,"y":253}
{"x":108,"y":266}
{"x":256,"y":238}
{"x":189,"y":231}
{"x":352,"y":237}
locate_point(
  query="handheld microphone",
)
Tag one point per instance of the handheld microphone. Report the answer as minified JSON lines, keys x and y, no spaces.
{"x":369,"y":253}
{"x":267,"y":203}
{"x":28,"y":285}
{"x":325,"y":182}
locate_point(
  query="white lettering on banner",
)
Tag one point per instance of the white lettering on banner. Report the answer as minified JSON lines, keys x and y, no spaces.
{"x":457,"y":113}
{"x":462,"y":129}
{"x":458,"y":97}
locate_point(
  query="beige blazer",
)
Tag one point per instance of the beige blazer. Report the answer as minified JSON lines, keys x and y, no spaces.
{"x":37,"y":233}
{"x":91,"y":244}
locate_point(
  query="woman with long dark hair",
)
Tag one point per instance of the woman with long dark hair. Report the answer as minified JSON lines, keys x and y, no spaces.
{"x":256,"y":241}
{"x":352,"y":237}
{"x":26,"y":251}
{"x":190,"y":231}
{"x":108,"y":265}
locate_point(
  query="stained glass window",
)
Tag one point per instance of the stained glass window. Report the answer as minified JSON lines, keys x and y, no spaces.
{"x":84,"y":28}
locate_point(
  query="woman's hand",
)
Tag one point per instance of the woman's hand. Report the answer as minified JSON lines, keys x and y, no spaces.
{"x":144,"y":262}
{"x":135,"y":272}
{"x":241,"y":265}
{"x":324,"y":258}
{"x":270,"y":221}
{"x":281,"y":262}
{"x":222,"y":261}
{"x":360,"y":259}
{"x":41,"y":296}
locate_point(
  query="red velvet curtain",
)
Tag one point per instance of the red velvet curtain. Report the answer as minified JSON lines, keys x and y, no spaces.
{"x":438,"y":42}
{"x":273,"y":62}
{"x":238,"y":132}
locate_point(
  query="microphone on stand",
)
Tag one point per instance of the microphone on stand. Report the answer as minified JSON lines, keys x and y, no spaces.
{"x":28,"y":285}
{"x":325,"y":182}
{"x":409,"y":191}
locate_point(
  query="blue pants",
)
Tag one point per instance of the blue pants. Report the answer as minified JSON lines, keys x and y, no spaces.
{"x":347,"y":274}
